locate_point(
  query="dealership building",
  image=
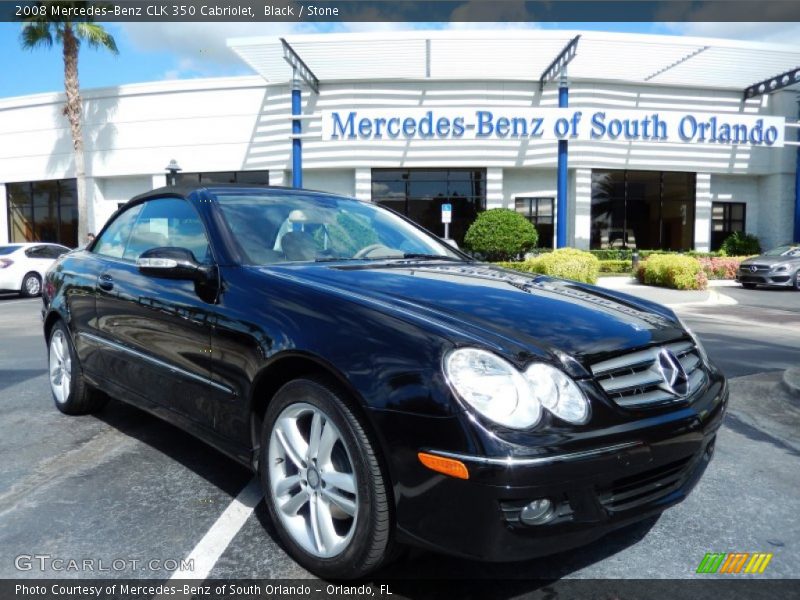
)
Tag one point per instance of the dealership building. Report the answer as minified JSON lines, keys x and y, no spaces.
{"x":666,"y":142}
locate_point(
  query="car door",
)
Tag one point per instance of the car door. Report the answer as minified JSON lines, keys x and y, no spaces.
{"x":157,"y":330}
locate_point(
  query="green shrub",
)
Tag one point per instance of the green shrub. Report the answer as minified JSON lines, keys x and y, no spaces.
{"x":525,"y":266}
{"x":740,"y":244}
{"x":615,"y":266}
{"x":627,"y":253}
{"x":672,"y":271}
{"x":500,"y":234}
{"x":567,"y":263}
{"x":613,"y":253}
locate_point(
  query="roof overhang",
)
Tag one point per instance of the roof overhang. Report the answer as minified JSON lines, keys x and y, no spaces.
{"x":521,"y":55}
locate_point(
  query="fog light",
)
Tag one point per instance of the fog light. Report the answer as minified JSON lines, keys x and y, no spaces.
{"x":537,"y":512}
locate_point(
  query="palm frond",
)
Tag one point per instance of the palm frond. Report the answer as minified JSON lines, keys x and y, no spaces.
{"x":36,"y":33}
{"x":96,"y":36}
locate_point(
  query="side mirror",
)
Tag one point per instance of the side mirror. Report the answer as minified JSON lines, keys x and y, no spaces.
{"x":172,"y":263}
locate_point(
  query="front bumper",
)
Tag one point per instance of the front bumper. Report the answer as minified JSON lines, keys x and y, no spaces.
{"x":776,"y":278}
{"x":620,"y":480}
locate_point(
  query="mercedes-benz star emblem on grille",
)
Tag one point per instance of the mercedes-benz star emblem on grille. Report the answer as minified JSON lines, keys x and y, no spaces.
{"x":754,"y":268}
{"x":672,"y":372}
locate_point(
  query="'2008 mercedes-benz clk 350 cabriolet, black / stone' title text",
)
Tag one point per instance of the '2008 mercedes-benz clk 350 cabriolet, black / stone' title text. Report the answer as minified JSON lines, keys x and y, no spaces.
{"x":388,"y":389}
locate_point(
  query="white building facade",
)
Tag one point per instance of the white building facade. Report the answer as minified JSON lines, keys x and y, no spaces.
{"x":646,"y":193}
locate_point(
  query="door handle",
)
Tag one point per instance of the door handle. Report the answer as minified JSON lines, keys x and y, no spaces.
{"x":106,"y":282}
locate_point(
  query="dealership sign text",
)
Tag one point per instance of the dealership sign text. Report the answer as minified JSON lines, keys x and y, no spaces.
{"x":580,"y":124}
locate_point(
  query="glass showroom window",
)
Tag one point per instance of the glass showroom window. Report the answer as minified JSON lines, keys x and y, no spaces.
{"x":420,"y":193}
{"x":726,"y":218}
{"x":538,"y":211}
{"x":259,"y":177}
{"x":43,"y":211}
{"x":643,"y":209}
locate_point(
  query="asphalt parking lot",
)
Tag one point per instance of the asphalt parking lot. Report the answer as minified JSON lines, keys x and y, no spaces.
{"x":124,"y":486}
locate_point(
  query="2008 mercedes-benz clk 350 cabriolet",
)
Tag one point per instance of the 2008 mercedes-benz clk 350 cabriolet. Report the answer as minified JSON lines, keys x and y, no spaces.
{"x":387,"y":388}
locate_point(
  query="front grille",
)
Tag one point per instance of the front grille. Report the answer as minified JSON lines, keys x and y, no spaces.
{"x":759,"y":268}
{"x":636,"y":490}
{"x":638,"y":379}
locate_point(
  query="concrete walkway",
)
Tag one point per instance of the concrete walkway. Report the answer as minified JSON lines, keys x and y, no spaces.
{"x":712,"y":296}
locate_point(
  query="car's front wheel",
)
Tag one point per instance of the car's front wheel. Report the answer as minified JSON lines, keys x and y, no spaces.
{"x":797,"y":280}
{"x":323,"y":481}
{"x":71,"y":393}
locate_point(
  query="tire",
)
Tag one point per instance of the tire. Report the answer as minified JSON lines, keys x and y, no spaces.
{"x":749,"y":286}
{"x":31,"y":285}
{"x":71,"y":393}
{"x":351,"y":536}
{"x":797,"y":280}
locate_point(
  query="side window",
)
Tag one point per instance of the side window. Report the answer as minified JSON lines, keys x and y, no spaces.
{"x":112,"y":241}
{"x":53,"y":252}
{"x":171,"y":223}
{"x":36,"y":252}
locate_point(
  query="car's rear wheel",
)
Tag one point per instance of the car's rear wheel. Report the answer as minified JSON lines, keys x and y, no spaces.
{"x":31,"y":285}
{"x":323,"y":481}
{"x":749,"y":286}
{"x":72,"y":395}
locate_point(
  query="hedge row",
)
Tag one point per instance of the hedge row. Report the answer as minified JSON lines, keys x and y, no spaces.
{"x":672,"y":271}
{"x":615,"y":266}
{"x":675,"y":271}
{"x":567,"y":263}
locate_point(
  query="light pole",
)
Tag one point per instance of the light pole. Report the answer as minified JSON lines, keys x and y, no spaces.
{"x":172,"y":168}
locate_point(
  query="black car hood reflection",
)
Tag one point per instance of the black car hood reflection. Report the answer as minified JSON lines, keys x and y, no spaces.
{"x":531,"y":310}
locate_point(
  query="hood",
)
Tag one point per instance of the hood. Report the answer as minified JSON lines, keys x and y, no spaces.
{"x":770,"y":260}
{"x":532,"y":310}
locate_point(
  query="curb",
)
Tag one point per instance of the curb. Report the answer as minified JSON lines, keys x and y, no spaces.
{"x":791,"y":380}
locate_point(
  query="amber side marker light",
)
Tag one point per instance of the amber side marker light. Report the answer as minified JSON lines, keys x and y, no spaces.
{"x":440,"y":464}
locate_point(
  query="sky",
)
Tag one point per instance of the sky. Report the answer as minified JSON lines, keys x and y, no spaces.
{"x":159,"y":51}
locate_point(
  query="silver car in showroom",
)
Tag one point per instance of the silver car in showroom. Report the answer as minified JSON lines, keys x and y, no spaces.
{"x":777,"y":267}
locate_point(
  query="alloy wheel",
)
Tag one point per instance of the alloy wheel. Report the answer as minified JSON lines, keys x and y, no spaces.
{"x":312,"y":480}
{"x":60,"y":366}
{"x":33,"y":286}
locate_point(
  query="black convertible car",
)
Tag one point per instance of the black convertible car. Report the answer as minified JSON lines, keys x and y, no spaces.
{"x":388,"y":389}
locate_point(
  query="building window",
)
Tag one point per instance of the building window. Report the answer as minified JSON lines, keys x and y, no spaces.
{"x":420,"y":193}
{"x":258,"y":177}
{"x":726,"y":218}
{"x":43,"y":211}
{"x":643,"y":209}
{"x":538,"y":211}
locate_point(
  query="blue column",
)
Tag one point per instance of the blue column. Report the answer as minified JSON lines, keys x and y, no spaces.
{"x":561,"y":208}
{"x":297,"y":143}
{"x":797,"y":190}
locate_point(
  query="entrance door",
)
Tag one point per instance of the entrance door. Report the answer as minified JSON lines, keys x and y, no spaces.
{"x":420,"y":193}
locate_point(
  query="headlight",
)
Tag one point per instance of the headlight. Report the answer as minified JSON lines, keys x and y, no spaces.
{"x":700,"y":349}
{"x":494,"y":388}
{"x":558,"y":393}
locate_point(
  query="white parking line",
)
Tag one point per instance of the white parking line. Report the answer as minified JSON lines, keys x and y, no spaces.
{"x":17,"y":301}
{"x":208,"y":550}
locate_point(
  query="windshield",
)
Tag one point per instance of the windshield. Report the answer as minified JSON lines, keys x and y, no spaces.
{"x":8,"y":249}
{"x":280,"y":228}
{"x":784,"y":251}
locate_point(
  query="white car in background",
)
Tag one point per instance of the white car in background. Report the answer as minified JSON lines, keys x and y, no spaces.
{"x":22,"y":266}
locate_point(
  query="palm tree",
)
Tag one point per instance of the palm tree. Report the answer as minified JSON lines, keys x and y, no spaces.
{"x":54,"y":27}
